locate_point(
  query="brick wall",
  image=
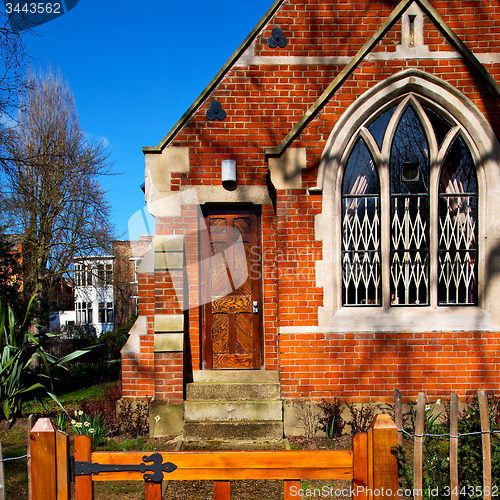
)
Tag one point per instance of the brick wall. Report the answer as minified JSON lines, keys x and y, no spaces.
{"x":124,"y":276}
{"x":361,"y":367}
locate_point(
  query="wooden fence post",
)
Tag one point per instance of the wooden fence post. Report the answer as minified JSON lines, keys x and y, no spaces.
{"x":84,"y":487}
{"x":398,"y":414}
{"x":485,"y":428}
{"x":2,"y":477}
{"x":360,"y":465}
{"x":382,"y":464}
{"x":62,"y":452}
{"x":31,"y":423}
{"x":152,"y":491}
{"x":222,"y":490}
{"x":418,"y":454}
{"x":43,"y":460}
{"x":454,"y":446}
{"x":290,"y":487}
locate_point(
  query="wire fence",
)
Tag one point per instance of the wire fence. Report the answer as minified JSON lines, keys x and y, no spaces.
{"x":14,"y":458}
{"x":459,"y":435}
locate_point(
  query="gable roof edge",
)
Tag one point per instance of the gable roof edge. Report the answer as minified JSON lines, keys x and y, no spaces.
{"x":452,"y":37}
{"x":216,"y":80}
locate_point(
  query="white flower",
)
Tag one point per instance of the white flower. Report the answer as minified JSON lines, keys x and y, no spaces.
{"x":87,"y":424}
{"x":79,"y":425}
{"x":73,"y":422}
{"x":80,"y":413}
{"x":157,"y":418}
{"x":91,"y":431}
{"x":427,"y":407}
{"x":438,"y":402}
{"x":76,"y":413}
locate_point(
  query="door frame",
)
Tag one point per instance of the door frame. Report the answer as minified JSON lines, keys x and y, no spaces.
{"x":206,"y":351}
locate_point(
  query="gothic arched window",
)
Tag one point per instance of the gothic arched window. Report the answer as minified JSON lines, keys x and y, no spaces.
{"x":417,"y":164}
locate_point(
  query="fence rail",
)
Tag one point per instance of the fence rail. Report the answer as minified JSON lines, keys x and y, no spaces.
{"x":369,"y":464}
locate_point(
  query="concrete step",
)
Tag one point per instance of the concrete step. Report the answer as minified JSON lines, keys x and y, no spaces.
{"x":207,"y":391}
{"x":244,"y":431}
{"x":227,"y":411}
{"x":236,"y":376}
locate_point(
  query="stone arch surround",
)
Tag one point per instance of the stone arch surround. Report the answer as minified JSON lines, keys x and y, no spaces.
{"x":485,"y":149}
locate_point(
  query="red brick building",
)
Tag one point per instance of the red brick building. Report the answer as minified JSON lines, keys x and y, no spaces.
{"x":357,"y":248}
{"x":128,"y":255}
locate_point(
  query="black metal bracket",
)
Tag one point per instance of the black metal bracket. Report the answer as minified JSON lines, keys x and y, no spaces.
{"x":152,"y":472}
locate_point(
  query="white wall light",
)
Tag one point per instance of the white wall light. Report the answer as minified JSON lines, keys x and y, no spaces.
{"x":229,"y":173}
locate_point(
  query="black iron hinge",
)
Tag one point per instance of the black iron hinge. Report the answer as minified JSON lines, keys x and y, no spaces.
{"x":152,"y":471}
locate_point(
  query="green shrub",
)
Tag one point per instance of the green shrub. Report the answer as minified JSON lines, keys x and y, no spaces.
{"x":19,"y":350}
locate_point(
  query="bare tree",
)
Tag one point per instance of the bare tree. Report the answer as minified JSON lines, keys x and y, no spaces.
{"x":53,"y":196}
{"x":12,"y":60}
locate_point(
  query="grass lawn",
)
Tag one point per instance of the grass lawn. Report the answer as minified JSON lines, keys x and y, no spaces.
{"x":70,"y":401}
{"x":14,"y":444}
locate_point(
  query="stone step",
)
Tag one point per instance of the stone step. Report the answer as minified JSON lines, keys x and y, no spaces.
{"x":236,"y":376}
{"x":226,"y":411}
{"x":244,"y":431}
{"x":206,"y":391}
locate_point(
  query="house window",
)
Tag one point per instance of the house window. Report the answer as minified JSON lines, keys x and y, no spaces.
{"x":109,"y":312}
{"x":89,"y":313}
{"x":83,"y":313}
{"x":106,"y":312}
{"x":89,"y":276}
{"x":109,"y":274}
{"x":102,"y":313}
{"x":137,"y":262}
{"x":77,"y":275}
{"x":100,"y":274}
{"x":415,"y":162}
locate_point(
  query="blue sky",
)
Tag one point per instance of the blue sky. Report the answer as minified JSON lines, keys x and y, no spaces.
{"x":135,"y":68}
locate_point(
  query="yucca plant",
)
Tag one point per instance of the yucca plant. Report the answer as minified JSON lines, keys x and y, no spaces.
{"x":19,"y":351}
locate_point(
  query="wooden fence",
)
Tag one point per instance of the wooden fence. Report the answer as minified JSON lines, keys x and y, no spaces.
{"x":369,"y":464}
{"x":419,"y":436}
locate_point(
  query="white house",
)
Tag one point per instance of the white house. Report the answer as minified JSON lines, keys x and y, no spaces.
{"x":94,"y":299}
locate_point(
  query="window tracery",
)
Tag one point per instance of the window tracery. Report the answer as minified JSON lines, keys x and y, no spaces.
{"x":415,"y":158}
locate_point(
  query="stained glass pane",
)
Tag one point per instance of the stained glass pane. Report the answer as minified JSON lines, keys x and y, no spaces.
{"x":379,"y":126}
{"x":409,"y":172}
{"x":361,"y":230}
{"x":360,"y":176}
{"x":440,"y":126}
{"x":409,"y":155}
{"x":458,"y":228}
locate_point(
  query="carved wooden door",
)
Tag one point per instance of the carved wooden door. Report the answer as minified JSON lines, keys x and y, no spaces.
{"x":232,"y":310}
